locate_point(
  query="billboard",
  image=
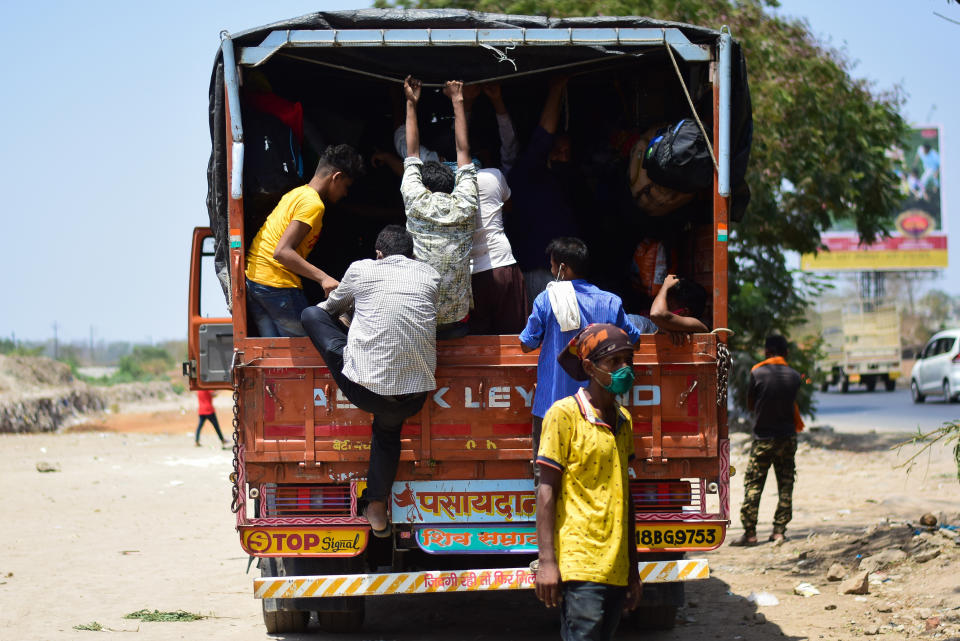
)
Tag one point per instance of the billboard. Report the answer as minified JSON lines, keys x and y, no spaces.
{"x":917,"y":238}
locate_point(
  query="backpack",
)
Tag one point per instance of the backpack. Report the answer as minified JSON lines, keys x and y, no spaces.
{"x":651,"y":198}
{"x":678,"y":158}
{"x":272,"y":166}
{"x":273,"y":161}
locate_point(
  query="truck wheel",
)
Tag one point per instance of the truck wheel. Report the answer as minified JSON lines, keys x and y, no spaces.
{"x":278,"y":617}
{"x":915,"y":392}
{"x":871,"y":384}
{"x":845,"y":385}
{"x":824,"y":386}
{"x":282,"y":621}
{"x":334,"y":614}
{"x":890,"y":384}
{"x":948,"y":395}
{"x":654,"y":617}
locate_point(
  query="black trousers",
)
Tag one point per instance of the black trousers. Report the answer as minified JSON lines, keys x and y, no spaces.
{"x":213,"y":421}
{"x":389,"y":412}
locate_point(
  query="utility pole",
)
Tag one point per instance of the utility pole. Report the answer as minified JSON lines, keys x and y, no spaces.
{"x":56,"y":346}
{"x":90,"y":355}
{"x":872,"y":289}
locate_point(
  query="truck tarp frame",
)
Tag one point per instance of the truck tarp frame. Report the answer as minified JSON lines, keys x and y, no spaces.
{"x":260,"y":43}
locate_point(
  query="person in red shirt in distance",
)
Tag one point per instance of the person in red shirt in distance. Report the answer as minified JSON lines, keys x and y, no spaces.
{"x":206,"y":413}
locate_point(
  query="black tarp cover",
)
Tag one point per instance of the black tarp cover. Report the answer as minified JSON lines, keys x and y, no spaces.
{"x":443,"y":65}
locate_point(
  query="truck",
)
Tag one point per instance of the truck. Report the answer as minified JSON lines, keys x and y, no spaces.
{"x":861,"y":345}
{"x":463,"y":506}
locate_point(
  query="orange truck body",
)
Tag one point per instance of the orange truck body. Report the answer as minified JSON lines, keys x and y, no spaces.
{"x":464,"y":486}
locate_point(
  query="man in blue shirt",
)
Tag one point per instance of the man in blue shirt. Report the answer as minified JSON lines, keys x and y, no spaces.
{"x":568,"y":305}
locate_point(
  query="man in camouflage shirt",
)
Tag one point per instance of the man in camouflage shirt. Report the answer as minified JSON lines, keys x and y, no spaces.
{"x":772,"y":397}
{"x":441,"y":210}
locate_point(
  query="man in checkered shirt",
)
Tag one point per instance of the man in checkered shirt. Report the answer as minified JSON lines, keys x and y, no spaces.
{"x":385,"y":363}
{"x":441,"y":208}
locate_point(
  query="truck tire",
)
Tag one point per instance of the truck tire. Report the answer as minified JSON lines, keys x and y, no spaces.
{"x":278,"y":616}
{"x":948,"y":394}
{"x":890,"y":384}
{"x":334,"y":614}
{"x":824,"y":386}
{"x":654,"y":617}
{"x":845,"y":385}
{"x":915,"y":392}
{"x":283,"y":621}
{"x":871,"y":383}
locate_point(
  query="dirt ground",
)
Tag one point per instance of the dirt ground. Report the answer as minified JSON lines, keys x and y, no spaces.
{"x":138,"y":518}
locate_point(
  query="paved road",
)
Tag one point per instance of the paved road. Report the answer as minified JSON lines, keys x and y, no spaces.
{"x":862,"y":411}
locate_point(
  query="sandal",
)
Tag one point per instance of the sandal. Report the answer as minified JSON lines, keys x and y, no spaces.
{"x":745,"y":541}
{"x":383,"y":533}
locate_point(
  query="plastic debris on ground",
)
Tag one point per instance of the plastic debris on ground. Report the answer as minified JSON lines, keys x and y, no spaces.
{"x":805,"y":590}
{"x":763,"y":599}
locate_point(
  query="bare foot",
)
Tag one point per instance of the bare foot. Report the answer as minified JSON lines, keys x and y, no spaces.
{"x":376,"y":515}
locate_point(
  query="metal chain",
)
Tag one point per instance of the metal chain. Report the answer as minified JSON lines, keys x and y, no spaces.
{"x":723,"y":371}
{"x":237,"y":503}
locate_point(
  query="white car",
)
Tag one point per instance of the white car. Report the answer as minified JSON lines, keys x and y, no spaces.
{"x":937,"y":370}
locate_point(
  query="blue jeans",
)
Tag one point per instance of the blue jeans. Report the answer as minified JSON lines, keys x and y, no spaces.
{"x":590,"y":611}
{"x":275,"y":310}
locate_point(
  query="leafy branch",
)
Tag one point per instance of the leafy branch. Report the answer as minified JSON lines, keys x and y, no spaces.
{"x":948,"y":433}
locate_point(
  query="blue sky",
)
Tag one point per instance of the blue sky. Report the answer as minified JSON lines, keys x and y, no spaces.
{"x":105,"y":144}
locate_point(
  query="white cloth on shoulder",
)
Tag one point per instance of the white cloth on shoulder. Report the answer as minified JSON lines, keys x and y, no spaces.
{"x":563,"y":300}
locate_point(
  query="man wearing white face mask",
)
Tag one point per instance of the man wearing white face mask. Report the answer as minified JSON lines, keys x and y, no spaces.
{"x":568,"y":305}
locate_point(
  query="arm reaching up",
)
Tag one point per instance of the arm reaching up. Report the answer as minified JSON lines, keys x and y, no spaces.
{"x":454,"y":90}
{"x":411,"y":90}
{"x":509,"y":149}
{"x":550,"y":116}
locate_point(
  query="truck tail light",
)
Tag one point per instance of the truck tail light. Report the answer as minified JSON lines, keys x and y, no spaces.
{"x":305,"y":500}
{"x":662,"y":496}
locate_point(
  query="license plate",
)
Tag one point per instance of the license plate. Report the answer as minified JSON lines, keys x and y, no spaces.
{"x":691,"y":536}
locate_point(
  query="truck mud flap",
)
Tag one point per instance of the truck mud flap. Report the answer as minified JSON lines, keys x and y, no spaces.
{"x":340,"y":585}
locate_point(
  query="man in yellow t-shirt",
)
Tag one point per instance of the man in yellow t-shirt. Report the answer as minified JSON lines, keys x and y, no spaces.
{"x":585,"y":517}
{"x":277,"y":257}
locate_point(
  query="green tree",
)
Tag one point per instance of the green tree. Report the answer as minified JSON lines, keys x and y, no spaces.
{"x":143,"y":363}
{"x":820,"y":137}
{"x":9,"y":347}
{"x":937,"y":308}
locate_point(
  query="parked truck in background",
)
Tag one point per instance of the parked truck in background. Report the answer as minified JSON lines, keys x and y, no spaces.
{"x":860,"y":346}
{"x":463,"y":504}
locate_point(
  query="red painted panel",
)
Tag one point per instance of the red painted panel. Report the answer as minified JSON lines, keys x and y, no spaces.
{"x":440,"y":429}
{"x":680,"y":427}
{"x":513,"y":429}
